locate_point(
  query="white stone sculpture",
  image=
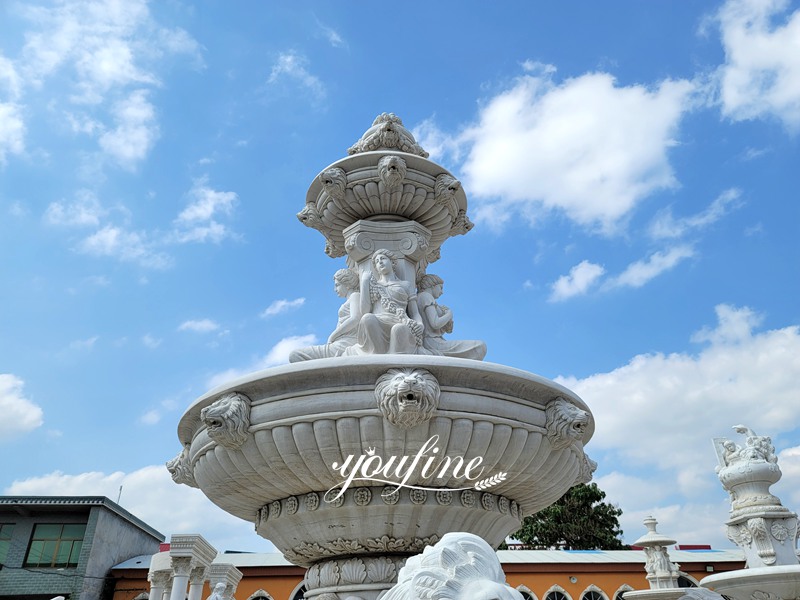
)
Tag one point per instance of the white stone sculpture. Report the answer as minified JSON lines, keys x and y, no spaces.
{"x":407,"y":397}
{"x":387,"y":132}
{"x":758,"y":523}
{"x":228,"y":420}
{"x":390,"y":322}
{"x":438,"y":320}
{"x":346,"y":285}
{"x":219,"y":592}
{"x":461,"y":566}
{"x":180,"y":468}
{"x":566,"y":423}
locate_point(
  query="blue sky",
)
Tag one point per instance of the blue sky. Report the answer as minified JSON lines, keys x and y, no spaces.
{"x":631,"y":167}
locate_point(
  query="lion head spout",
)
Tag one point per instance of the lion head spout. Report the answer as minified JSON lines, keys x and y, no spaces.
{"x":566,"y":423}
{"x":407,"y":397}
{"x":228,"y":420}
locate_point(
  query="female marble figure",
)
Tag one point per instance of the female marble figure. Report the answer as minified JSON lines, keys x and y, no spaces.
{"x":346,"y":285}
{"x":390,"y":321}
{"x":438,"y":320}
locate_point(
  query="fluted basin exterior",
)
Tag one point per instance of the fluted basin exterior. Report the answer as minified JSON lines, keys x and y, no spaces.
{"x":306,"y":417}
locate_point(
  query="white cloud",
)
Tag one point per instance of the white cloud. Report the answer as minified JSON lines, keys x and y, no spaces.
{"x":279,"y":354}
{"x":135,"y":133}
{"x":84,"y":210}
{"x":84,"y":345}
{"x":664,"y":225}
{"x":640,"y":272}
{"x":197,"y":222}
{"x":151,"y":417}
{"x":150,"y":494}
{"x":127,"y":246}
{"x":150,"y":342}
{"x":12,"y":131}
{"x":661,"y":411}
{"x":333,"y":37}
{"x":761,"y":74}
{"x":20,"y":415}
{"x":581,"y":277}
{"x":199,"y":326}
{"x":542,"y":146}
{"x":282,"y":306}
{"x":9,"y":78}
{"x":293,"y":66}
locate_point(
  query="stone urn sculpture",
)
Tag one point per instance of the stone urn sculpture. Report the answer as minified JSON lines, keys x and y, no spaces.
{"x":371,"y":447}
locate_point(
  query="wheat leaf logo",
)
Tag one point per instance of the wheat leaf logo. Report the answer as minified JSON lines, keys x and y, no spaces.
{"x":490,"y":481}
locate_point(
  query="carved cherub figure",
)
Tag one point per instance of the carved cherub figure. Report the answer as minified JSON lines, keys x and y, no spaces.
{"x":346,"y":285}
{"x":438,"y":320}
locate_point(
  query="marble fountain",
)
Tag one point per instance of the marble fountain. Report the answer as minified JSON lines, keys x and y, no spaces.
{"x":390,"y":437}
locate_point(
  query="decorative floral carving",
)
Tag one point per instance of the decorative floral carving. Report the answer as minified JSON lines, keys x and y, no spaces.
{"x":312,"y":577}
{"x":311,"y":501}
{"x":418,"y":496}
{"x":407,"y":397}
{"x":228,"y":420}
{"x":487,"y":501}
{"x":362,"y":496}
{"x":180,"y":468}
{"x":390,"y":494}
{"x":503,"y":505}
{"x":387,"y":131}
{"x":335,"y":493}
{"x":334,"y":182}
{"x":444,"y":497}
{"x":468,"y":498}
{"x":329,"y":574}
{"x":353,"y":571}
{"x":780,"y":532}
{"x":381,"y":570}
{"x":275,"y":509}
{"x":391,"y":170}
{"x":291,"y":505}
{"x":565,"y":423}
{"x":515,"y":510}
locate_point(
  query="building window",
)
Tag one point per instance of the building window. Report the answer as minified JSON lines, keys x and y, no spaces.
{"x":5,"y":540}
{"x":299,"y":593}
{"x":592,"y":595}
{"x":555,"y":595}
{"x":55,"y":545}
{"x":526,"y":595}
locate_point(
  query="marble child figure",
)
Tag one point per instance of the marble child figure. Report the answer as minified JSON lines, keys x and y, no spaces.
{"x":390,"y":321}
{"x":346,"y":285}
{"x":438,"y":320}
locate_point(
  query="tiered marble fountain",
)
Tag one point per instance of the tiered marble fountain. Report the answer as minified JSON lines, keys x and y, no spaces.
{"x":365,"y":450}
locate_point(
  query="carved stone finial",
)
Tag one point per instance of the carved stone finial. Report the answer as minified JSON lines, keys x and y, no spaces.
{"x":565,"y":423}
{"x":407,"y":397}
{"x":228,"y":420}
{"x":387,"y":133}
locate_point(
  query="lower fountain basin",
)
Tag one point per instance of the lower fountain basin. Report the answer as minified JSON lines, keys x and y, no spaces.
{"x":306,"y":418}
{"x":780,"y":582}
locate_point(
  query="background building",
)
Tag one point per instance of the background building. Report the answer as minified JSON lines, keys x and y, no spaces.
{"x":66,"y":546}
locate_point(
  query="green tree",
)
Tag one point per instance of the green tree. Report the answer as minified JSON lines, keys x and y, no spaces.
{"x":579,"y":520}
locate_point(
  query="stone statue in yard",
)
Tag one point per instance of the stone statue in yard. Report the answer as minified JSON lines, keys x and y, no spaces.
{"x":438,"y":320}
{"x":346,"y":285}
{"x":461,"y":566}
{"x":218,"y":593}
{"x":390,"y":321}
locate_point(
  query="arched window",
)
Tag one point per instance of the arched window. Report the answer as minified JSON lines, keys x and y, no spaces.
{"x":593,"y":593}
{"x":686,"y":581}
{"x":557,"y":593}
{"x":527,"y":594}
{"x":260,"y":595}
{"x":622,"y":589}
{"x":299,"y":593}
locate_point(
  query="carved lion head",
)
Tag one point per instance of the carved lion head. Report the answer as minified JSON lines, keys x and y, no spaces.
{"x":228,"y":420}
{"x":391,"y":170}
{"x":566,"y":423}
{"x":407,"y":397}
